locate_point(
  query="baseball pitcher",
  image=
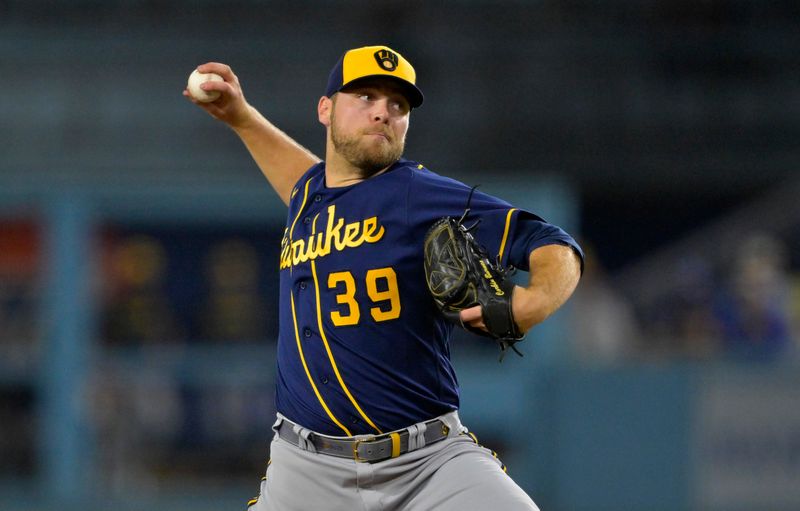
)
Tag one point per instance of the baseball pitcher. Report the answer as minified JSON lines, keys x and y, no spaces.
{"x":380,"y":259}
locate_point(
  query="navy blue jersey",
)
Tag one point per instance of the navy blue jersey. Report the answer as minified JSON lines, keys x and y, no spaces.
{"x":362,"y":348}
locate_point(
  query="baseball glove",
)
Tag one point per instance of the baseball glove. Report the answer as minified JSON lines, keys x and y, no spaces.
{"x":460,"y":275}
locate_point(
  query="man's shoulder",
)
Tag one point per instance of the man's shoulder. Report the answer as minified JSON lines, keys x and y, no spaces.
{"x":423,"y":176}
{"x":409,"y":166}
{"x":305,"y":185}
{"x":315,"y":170}
{"x":408,"y":170}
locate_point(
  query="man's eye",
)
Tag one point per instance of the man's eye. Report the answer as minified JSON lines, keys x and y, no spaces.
{"x":365,"y":97}
{"x":399,"y":106}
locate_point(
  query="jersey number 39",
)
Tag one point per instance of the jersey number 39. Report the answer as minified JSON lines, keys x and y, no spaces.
{"x":381,"y":288}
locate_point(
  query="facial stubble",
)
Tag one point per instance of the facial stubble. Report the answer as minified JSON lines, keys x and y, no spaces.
{"x":369,"y":159}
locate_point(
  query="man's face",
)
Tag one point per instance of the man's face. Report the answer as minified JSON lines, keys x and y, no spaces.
{"x":368,"y":123}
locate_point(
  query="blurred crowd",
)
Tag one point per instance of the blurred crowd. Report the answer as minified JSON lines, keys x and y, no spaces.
{"x":742,"y":305}
{"x":162,"y":289}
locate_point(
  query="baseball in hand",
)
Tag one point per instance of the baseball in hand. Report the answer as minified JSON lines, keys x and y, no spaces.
{"x":197,"y":78}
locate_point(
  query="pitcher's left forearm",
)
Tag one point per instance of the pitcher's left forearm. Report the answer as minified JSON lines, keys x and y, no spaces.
{"x":554,"y":273}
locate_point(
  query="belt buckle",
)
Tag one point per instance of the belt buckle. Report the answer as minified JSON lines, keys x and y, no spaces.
{"x":359,"y":441}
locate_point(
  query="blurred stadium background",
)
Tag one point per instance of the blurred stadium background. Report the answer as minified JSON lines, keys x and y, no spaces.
{"x":138,"y":242}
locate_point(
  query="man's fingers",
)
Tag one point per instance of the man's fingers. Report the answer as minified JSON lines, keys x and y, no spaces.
{"x":471,"y":314}
{"x":229,"y":87}
{"x":223,"y":70}
{"x":473,"y":317}
{"x":223,"y":87}
{"x":231,"y":107}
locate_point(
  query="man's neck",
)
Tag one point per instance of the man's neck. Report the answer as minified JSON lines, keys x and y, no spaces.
{"x":340,"y":172}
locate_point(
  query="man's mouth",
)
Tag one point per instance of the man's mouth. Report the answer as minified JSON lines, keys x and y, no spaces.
{"x":380,"y":134}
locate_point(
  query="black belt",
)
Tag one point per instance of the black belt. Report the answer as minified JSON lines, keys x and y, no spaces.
{"x":369,"y":448}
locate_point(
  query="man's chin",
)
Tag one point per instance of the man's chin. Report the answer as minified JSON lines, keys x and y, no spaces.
{"x":370,"y":158}
{"x":374,"y":163}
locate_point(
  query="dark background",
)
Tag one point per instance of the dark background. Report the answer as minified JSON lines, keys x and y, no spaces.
{"x":663,"y":131}
{"x":663,"y":114}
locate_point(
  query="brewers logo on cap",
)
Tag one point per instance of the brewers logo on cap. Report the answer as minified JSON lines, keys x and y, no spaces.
{"x":370,"y":61}
{"x":387,"y":59}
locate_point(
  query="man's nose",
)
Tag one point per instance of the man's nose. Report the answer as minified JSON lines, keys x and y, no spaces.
{"x":380,"y":110}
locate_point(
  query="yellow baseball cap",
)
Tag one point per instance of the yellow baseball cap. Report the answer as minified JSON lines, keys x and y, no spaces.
{"x":370,"y":61}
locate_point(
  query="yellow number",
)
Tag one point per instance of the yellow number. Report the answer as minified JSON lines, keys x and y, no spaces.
{"x":345,"y":298}
{"x":390,"y":293}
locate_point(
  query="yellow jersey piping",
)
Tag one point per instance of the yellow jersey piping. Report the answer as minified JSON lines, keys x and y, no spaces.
{"x":308,"y":373}
{"x":327,"y":345}
{"x":297,"y":217}
{"x":505,"y":233}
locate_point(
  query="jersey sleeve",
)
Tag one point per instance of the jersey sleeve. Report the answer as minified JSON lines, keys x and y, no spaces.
{"x":527,"y":232}
{"x":506,"y":232}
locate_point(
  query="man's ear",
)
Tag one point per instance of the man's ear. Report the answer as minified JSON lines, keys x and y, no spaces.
{"x":324,"y":109}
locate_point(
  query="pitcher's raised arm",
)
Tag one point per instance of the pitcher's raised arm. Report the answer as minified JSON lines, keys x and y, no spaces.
{"x":281,"y":159}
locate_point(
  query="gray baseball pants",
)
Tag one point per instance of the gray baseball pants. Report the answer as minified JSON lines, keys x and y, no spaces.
{"x":454,"y":474}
